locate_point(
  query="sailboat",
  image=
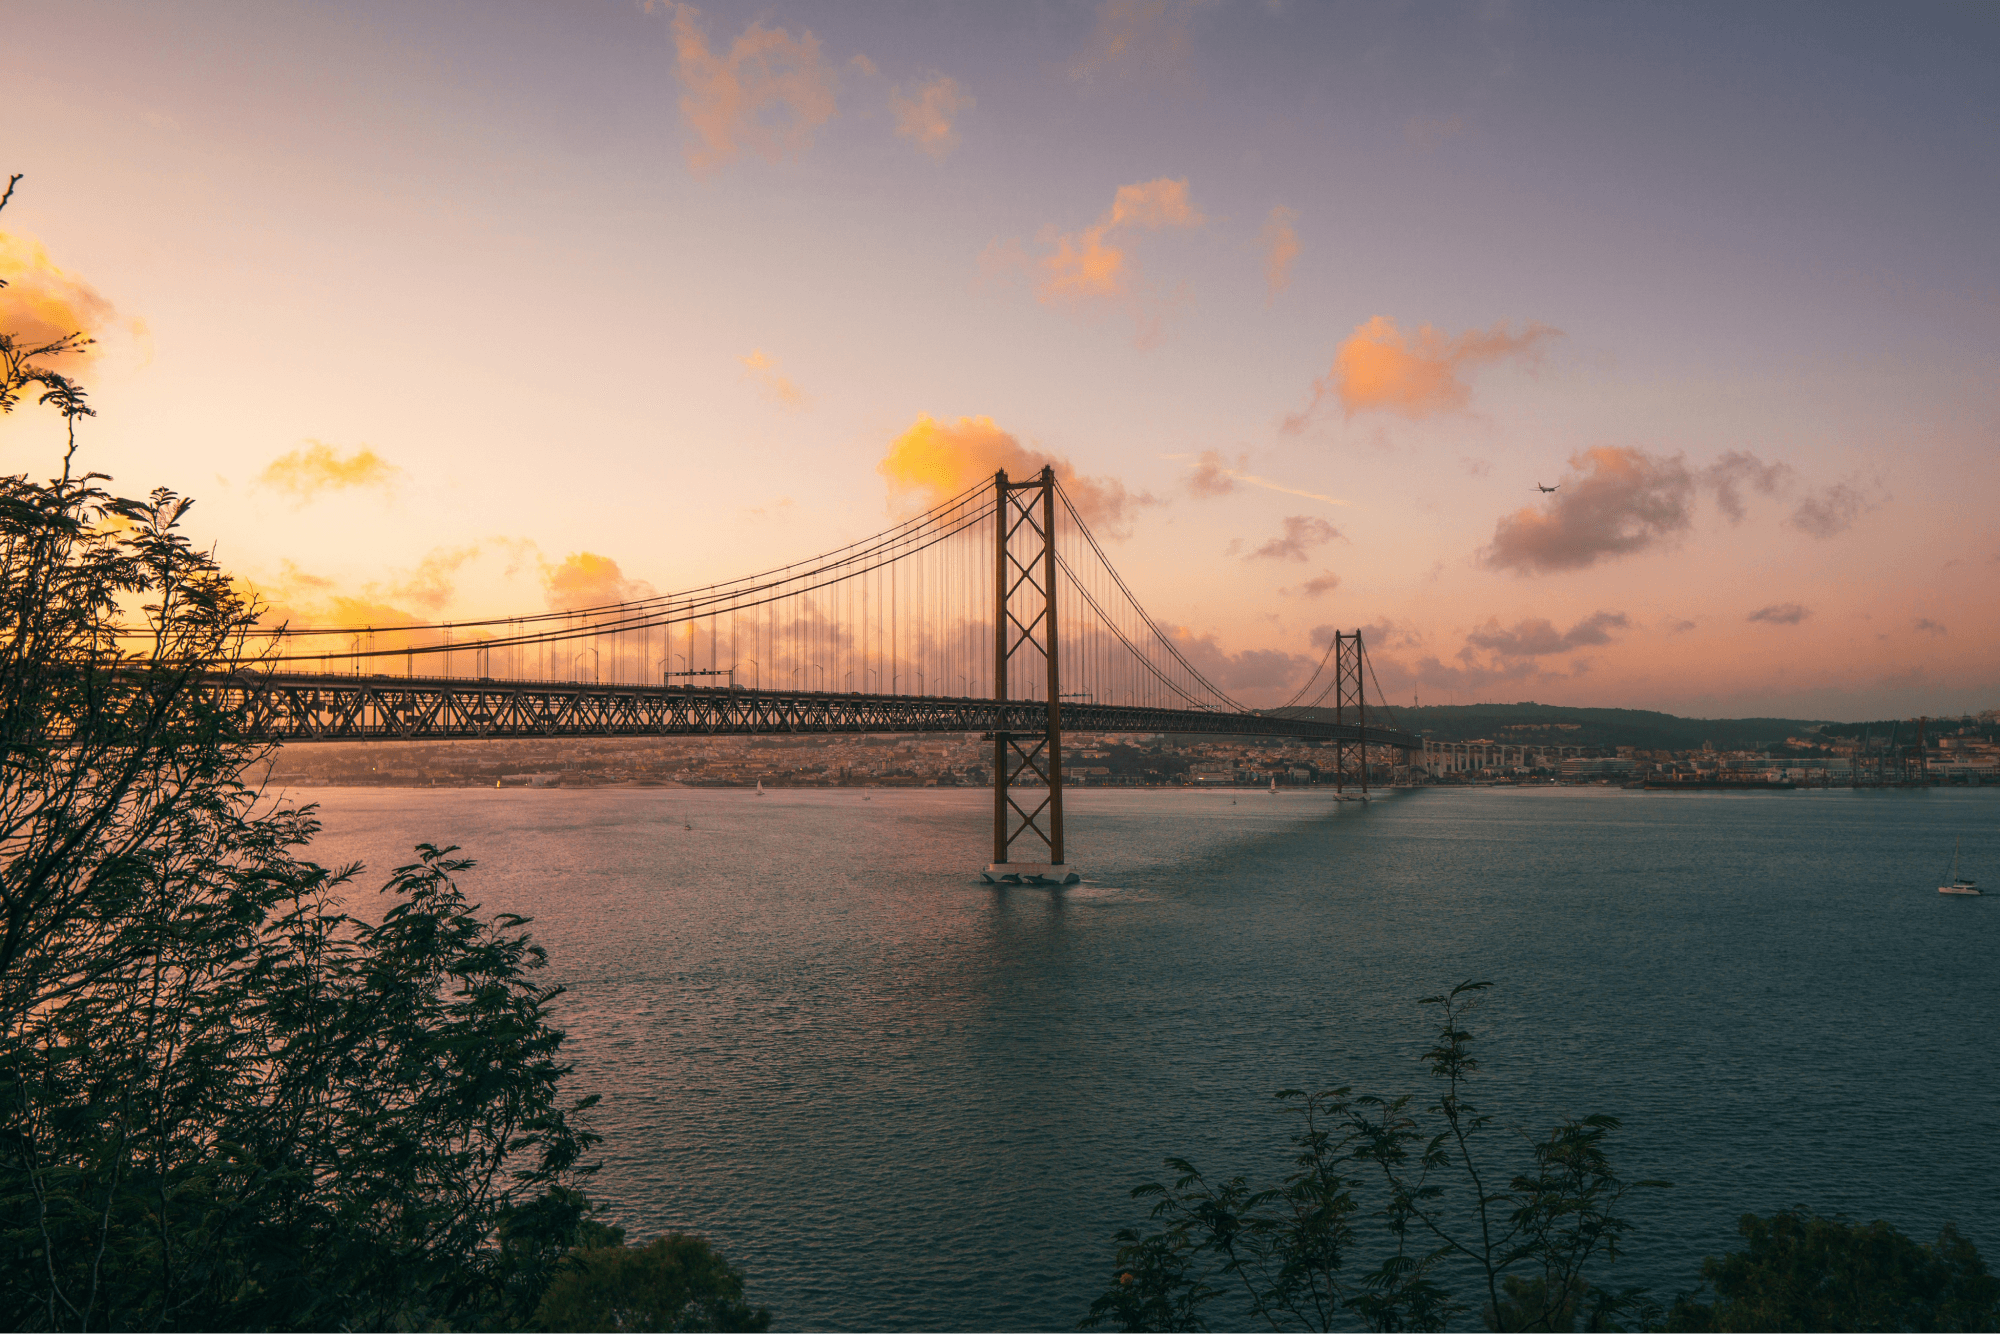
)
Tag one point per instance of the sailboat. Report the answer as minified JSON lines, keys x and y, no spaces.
{"x":1959,"y":884}
{"x":760,"y":787}
{"x":1274,"y":785}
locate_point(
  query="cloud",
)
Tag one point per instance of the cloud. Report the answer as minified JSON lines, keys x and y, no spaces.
{"x":766,"y":96}
{"x":1829,"y":512}
{"x":935,"y":460}
{"x":1213,"y":477}
{"x":1726,"y":477}
{"x":1272,"y":671}
{"x":1674,"y":625}
{"x":1389,"y":641}
{"x":1095,"y":267}
{"x":42,"y":303}
{"x":1928,"y":626}
{"x":1615,"y":502}
{"x":927,"y":116}
{"x":1780,"y":613}
{"x":1281,"y":247}
{"x":1382,"y":369}
{"x":299,"y":598}
{"x":1302,"y":533}
{"x":1149,"y":39}
{"x":316,"y":466}
{"x":586,"y":579}
{"x":1537,"y":637}
{"x":1319,"y":585}
{"x":1093,"y":263}
{"x":433,"y":583}
{"x":764,"y":371}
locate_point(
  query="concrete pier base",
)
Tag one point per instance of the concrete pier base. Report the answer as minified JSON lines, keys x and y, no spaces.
{"x":1030,"y":873}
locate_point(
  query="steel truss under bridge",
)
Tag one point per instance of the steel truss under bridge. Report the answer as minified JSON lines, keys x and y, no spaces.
{"x":304,"y":706}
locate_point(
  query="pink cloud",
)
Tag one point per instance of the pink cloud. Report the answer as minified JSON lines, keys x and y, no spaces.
{"x":1382,"y":369}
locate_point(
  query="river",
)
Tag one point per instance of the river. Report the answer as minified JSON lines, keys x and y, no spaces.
{"x":899,"y":1098}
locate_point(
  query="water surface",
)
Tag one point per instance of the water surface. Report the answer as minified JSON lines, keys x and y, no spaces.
{"x":900,"y":1098}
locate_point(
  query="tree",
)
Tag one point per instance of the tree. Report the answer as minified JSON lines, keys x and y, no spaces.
{"x":676,"y":1283}
{"x":1416,"y":1188}
{"x":225,"y":1101}
{"x":1802,"y":1271}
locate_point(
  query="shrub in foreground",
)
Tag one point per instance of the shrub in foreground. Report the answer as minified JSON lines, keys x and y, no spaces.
{"x":676,"y":1283}
{"x":1802,"y":1271}
{"x":1386,"y":1199}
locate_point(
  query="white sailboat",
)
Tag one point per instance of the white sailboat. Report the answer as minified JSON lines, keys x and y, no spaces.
{"x":1274,"y":785}
{"x":1958,"y":883}
{"x":760,"y":787}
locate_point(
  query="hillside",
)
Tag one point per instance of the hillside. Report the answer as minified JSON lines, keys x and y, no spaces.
{"x":1551,"y":723}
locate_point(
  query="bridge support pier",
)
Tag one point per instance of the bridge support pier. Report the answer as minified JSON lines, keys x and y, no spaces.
{"x":1024,"y":618}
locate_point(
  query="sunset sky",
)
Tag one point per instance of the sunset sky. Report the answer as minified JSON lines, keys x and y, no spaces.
{"x":454,"y":309}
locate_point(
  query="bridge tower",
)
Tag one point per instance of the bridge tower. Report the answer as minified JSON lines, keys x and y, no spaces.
{"x":1350,"y":703}
{"x":1024,"y":623}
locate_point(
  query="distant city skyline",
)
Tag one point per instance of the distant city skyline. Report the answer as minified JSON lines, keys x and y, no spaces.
{"x":473,"y":309}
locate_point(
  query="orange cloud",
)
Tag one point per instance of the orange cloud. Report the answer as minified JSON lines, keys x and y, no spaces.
{"x":935,"y":460}
{"x":308,"y":599}
{"x":42,"y":304}
{"x":586,"y":579}
{"x":298,"y":599}
{"x":1093,"y":263}
{"x":315,"y":467}
{"x":1381,"y":368}
{"x":765,"y":372}
{"x":432,"y":584}
{"x":1281,"y":247}
{"x":1138,"y":38}
{"x":766,"y":96}
{"x":927,"y":117}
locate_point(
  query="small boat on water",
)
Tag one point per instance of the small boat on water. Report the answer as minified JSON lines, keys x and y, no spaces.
{"x":1274,"y":785}
{"x":760,"y":787}
{"x":1958,"y":884}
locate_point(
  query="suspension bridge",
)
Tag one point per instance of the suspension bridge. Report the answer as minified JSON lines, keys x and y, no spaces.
{"x":995,"y":611}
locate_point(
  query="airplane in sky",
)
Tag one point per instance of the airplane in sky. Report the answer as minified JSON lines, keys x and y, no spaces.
{"x":1545,"y":490}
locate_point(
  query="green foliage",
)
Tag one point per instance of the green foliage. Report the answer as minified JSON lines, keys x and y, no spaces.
{"x":677,"y":1283}
{"x":1412,"y":1191}
{"x":1527,"y":1303}
{"x":225,"y":1102}
{"x":1801,"y":1271}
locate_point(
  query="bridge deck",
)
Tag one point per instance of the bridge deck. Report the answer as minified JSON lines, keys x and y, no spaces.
{"x":296,"y":707}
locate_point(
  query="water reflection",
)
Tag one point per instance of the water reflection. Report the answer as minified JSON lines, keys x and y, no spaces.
{"x":903,"y":1098}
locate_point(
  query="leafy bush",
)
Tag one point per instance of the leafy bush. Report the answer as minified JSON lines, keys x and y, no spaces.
{"x":1414,"y":1191}
{"x":1801,"y":1271}
{"x":677,"y":1283}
